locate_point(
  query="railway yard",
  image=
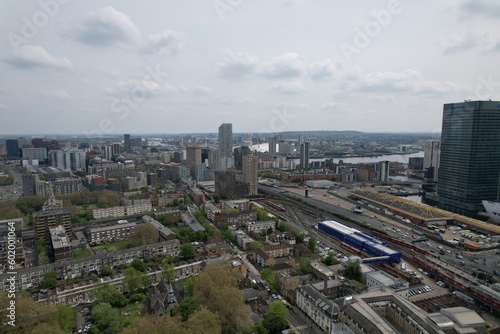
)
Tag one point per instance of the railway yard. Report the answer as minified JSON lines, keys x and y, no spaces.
{"x":444,"y":272}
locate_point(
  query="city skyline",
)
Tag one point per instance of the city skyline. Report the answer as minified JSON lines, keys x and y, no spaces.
{"x":266,"y":67}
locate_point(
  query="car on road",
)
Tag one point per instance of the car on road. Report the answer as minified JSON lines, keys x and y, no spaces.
{"x":459,"y":256}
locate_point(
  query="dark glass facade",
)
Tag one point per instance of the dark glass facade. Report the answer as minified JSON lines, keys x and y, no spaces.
{"x":469,"y":168}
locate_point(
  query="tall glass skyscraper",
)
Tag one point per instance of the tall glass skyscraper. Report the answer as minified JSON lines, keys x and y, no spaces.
{"x":226,"y":146}
{"x":469,"y":169}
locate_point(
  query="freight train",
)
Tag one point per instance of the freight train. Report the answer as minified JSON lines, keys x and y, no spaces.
{"x":360,"y":240}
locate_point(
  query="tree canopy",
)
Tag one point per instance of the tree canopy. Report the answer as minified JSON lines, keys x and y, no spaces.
{"x":276,"y":318}
{"x":216,"y":288}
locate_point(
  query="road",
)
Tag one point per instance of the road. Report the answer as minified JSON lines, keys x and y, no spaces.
{"x":14,"y":191}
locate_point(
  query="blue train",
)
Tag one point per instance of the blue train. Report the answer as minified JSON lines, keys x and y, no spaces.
{"x":360,"y":240}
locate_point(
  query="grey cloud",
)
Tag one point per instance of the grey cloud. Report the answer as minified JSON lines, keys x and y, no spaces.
{"x":487,"y":8}
{"x":30,"y":56}
{"x":202,"y":90}
{"x":231,"y":100}
{"x":236,"y":65}
{"x":105,"y":27}
{"x":288,"y":87}
{"x":288,"y":65}
{"x":322,"y":70}
{"x":333,"y":107}
{"x":168,"y":41}
{"x":406,"y":81}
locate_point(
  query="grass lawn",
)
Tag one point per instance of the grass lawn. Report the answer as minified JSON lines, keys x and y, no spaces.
{"x":79,"y":253}
{"x":113,"y":247}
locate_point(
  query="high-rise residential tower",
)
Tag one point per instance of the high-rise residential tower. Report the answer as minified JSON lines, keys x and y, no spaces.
{"x":470,"y":156}
{"x":249,"y":173}
{"x":127,"y":143}
{"x":226,"y":146}
{"x":304,"y":155}
{"x":432,"y":151}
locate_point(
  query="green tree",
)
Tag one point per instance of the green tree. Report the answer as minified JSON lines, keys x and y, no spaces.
{"x":138,"y":265}
{"x":137,"y":297}
{"x":216,"y":289}
{"x":189,"y":286}
{"x":144,"y":234}
{"x":106,"y":271}
{"x":271,"y":279}
{"x":50,"y":280}
{"x":167,"y":270}
{"x":330,"y":259}
{"x":65,"y":317}
{"x":105,"y":317}
{"x":353,"y":271}
{"x":146,"y":281}
{"x":311,"y":244}
{"x":107,"y":199}
{"x":299,"y":238}
{"x":276,"y":318}
{"x":305,"y":266}
{"x":187,"y":251}
{"x":109,"y":294}
{"x":187,"y":307}
{"x":132,"y":279}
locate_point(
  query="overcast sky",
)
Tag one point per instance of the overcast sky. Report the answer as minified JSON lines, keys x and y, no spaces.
{"x":264,"y":65}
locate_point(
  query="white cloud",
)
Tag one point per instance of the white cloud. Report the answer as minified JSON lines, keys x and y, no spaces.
{"x":288,"y":87}
{"x":105,"y":27}
{"x":145,"y":89}
{"x":322,"y":70}
{"x":484,"y":8}
{"x":227,"y":99}
{"x":458,"y":42}
{"x":288,"y":65}
{"x":202,"y":90}
{"x":333,"y":107}
{"x":60,"y":94}
{"x":291,"y":3}
{"x":236,"y":65}
{"x":168,"y":41}
{"x":406,"y":81}
{"x":29,"y":56}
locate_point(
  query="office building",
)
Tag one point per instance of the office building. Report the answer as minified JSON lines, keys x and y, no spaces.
{"x":249,"y":173}
{"x":34,"y":153}
{"x":382,"y":171}
{"x":23,"y":142}
{"x":432,"y":151}
{"x":225,"y":146}
{"x":469,"y":167}
{"x":304,"y":155}
{"x":285,"y":147}
{"x":239,"y":153}
{"x":71,"y":159}
{"x":272,"y":146}
{"x":416,"y":163}
{"x":12,"y":148}
{"x":193,"y":159}
{"x":128,"y":143}
{"x":107,"y":152}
